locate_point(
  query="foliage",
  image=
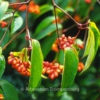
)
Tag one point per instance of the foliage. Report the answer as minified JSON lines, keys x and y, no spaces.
{"x":53,"y":48}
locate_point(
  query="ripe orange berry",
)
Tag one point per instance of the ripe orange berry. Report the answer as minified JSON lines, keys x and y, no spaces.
{"x":79,"y":69}
{"x":10,"y":61}
{"x":52,"y":76}
{"x":1,"y":97}
{"x":14,"y":62}
{"x":19,"y":69}
{"x":55,"y":74}
{"x":88,"y":1}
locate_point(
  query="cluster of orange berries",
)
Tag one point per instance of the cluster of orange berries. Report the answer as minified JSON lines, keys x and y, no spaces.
{"x":80,"y":66}
{"x":32,"y":7}
{"x":65,"y":41}
{"x":3,"y":24}
{"x":52,"y":69}
{"x":19,"y":65}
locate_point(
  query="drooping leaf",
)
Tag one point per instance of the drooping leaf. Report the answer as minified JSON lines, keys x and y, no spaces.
{"x":2,"y":65}
{"x":36,"y":65}
{"x":91,"y":53}
{"x":49,"y":29}
{"x":60,"y":57}
{"x":0,"y":50}
{"x":47,"y":43}
{"x":88,"y":44}
{"x":8,"y":90}
{"x":3,"y":8}
{"x":70,"y":67}
{"x":16,"y":24}
{"x":96,"y":33}
{"x":94,"y":36}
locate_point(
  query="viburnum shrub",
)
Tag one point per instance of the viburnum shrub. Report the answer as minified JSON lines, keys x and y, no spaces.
{"x":31,"y":61}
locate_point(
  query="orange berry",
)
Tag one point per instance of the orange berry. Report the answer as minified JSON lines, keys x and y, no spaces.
{"x":77,"y":18}
{"x":88,"y":1}
{"x":61,"y":67}
{"x":10,"y":61}
{"x":14,"y":62}
{"x":58,"y":71}
{"x":1,"y":97}
{"x":55,"y":74}
{"x":44,"y":70}
{"x":11,"y":53}
{"x":23,"y":69}
{"x":19,"y":69}
{"x":52,"y":76}
{"x":17,"y":65}
{"x":79,"y":68}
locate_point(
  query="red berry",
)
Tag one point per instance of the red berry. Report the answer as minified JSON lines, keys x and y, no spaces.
{"x":17,"y":65}
{"x":55,"y":74}
{"x":19,"y":69}
{"x":10,"y":61}
{"x":52,"y":76}
{"x":14,"y":62}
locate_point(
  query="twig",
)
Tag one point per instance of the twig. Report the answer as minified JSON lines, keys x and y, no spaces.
{"x":13,"y":38}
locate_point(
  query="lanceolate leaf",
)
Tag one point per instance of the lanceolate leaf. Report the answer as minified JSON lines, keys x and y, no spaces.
{"x":70,"y":68}
{"x":2,"y":65}
{"x":94,"y":36}
{"x":96,"y":33}
{"x":91,"y":54}
{"x":8,"y":90}
{"x":60,"y":57}
{"x":47,"y":21}
{"x":88,"y":44}
{"x":51,"y":28}
{"x":3,"y":8}
{"x":36,"y":65}
{"x":47,"y":43}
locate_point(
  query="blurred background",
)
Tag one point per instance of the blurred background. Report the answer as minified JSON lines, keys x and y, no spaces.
{"x":41,"y":21}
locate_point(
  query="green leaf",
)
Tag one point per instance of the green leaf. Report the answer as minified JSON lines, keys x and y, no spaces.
{"x":49,"y":29}
{"x":0,"y":1}
{"x":88,"y":44}
{"x":9,"y":90}
{"x":96,"y":32}
{"x":70,"y":67}
{"x":47,"y":21}
{"x":0,"y":50}
{"x":16,"y":24}
{"x":3,"y":8}
{"x":60,"y":57}
{"x":2,"y":65}
{"x":6,"y":16}
{"x":94,"y":36}
{"x":36,"y":65}
{"x":47,"y":43}
{"x":91,"y":54}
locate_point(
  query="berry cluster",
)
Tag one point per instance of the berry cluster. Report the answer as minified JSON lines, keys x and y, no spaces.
{"x":3,"y":24}
{"x":80,"y":66}
{"x":65,"y":41}
{"x":19,"y":65}
{"x":52,"y":69}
